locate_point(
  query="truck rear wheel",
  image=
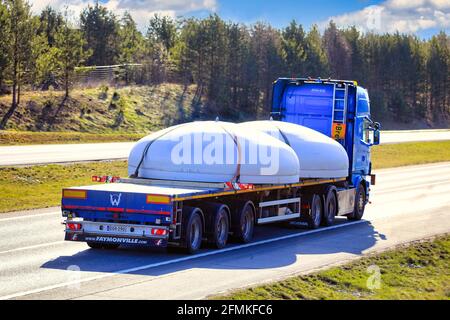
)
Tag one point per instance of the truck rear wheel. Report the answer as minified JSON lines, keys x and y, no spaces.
{"x":243,"y":219}
{"x":192,"y":229}
{"x":330,"y":208}
{"x":218,"y":224}
{"x":314,"y":218}
{"x":360,"y":204}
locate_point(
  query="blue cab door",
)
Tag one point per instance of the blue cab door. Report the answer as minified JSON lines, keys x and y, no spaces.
{"x":362,"y":134}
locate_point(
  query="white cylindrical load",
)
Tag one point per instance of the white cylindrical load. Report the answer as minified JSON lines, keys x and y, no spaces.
{"x":319,"y":155}
{"x":211,"y":152}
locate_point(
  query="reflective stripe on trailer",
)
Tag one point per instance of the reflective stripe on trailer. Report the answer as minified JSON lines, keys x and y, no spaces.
{"x":90,"y":208}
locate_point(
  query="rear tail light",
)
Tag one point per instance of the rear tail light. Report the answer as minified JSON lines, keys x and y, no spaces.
{"x":74,"y":226}
{"x":159,"y":232}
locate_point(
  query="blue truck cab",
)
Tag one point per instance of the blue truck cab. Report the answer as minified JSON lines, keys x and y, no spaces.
{"x":338,"y":109}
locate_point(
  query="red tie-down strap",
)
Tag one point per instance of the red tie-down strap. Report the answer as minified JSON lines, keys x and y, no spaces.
{"x":239,"y":186}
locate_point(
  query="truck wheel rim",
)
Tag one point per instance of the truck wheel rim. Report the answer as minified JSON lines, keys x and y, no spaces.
{"x":316,"y":213}
{"x":361,"y":202}
{"x":195,"y":235}
{"x":222,"y":231}
{"x":247,"y":225}
{"x":331,"y":209}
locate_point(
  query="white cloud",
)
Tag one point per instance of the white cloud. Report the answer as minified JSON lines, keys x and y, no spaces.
{"x":141,"y":10}
{"x":408,"y":16}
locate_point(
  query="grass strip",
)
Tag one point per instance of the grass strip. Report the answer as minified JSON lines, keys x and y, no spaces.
{"x":33,"y":138}
{"x":40,"y":186}
{"x":412,"y":153}
{"x":416,"y":271}
{"x":34,"y":187}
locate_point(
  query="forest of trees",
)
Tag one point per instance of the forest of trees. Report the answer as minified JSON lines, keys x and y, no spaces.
{"x":233,"y":65}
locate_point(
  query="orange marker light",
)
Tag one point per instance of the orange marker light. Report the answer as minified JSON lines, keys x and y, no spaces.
{"x":158,"y":199}
{"x":75,"y":194}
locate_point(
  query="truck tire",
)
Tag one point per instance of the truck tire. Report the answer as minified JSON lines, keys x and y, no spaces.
{"x":314,"y":219}
{"x":330,"y":208}
{"x":192,"y":229}
{"x":360,"y":204}
{"x":243,"y":222}
{"x":218,"y":227}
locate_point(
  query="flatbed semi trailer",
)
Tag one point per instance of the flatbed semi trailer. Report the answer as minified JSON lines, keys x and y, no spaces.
{"x":158,"y":213}
{"x":183,"y":214}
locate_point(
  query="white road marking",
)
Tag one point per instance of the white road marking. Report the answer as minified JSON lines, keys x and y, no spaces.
{"x":419,"y":167}
{"x":178,"y":260}
{"x":425,"y":185}
{"x":30,"y":216}
{"x":33,"y":247}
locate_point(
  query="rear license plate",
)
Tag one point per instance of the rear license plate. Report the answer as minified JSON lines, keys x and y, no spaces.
{"x":117,"y":229}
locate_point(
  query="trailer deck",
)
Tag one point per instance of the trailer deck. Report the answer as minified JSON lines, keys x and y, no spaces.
{"x":183,"y":191}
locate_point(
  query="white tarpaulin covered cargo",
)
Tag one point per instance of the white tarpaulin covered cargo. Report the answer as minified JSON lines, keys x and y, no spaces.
{"x":214,"y":152}
{"x":319,"y":155}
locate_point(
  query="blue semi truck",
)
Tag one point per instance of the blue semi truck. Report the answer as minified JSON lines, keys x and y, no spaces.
{"x":157,"y":213}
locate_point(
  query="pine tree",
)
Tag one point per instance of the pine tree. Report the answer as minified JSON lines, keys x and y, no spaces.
{"x":19,"y":48}
{"x":4,"y":46}
{"x":338,"y":52}
{"x":131,"y":48}
{"x":265,"y":48}
{"x":162,"y":29}
{"x":316,"y":63}
{"x":50,"y":23}
{"x":438,"y":70}
{"x":71,"y":52}
{"x":294,"y":49}
{"x":100,"y":29}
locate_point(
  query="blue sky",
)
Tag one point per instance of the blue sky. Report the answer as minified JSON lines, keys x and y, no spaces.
{"x":280,"y":12}
{"x":421,"y":17}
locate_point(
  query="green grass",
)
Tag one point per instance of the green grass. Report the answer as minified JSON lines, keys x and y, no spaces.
{"x":121,"y":110}
{"x":406,"y":154}
{"x":30,"y":138}
{"x":417,"y":271}
{"x":40,"y":186}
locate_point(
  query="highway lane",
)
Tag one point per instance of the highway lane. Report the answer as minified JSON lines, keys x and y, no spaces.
{"x":408,"y":204}
{"x":390,"y":137}
{"x":62,"y":153}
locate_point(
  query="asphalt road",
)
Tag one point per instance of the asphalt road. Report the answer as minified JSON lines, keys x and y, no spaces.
{"x":42,"y":154}
{"x":408,"y":204}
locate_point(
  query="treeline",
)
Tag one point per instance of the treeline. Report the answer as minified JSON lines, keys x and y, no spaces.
{"x":233,"y":65}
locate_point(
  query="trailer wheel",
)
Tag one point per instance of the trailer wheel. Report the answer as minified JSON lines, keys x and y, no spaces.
{"x":314,"y":218}
{"x":330,"y":208}
{"x":360,"y":204}
{"x":192,"y":229}
{"x":217,"y":224}
{"x":243,"y":222}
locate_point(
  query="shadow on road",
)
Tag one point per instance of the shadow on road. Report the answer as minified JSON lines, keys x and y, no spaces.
{"x":353,"y":239}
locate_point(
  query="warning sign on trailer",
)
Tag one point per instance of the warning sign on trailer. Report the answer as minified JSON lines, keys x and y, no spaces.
{"x":338,"y":131}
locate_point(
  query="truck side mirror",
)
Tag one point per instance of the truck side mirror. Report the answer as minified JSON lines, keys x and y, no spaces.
{"x":376,"y":137}
{"x":377,"y":126}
